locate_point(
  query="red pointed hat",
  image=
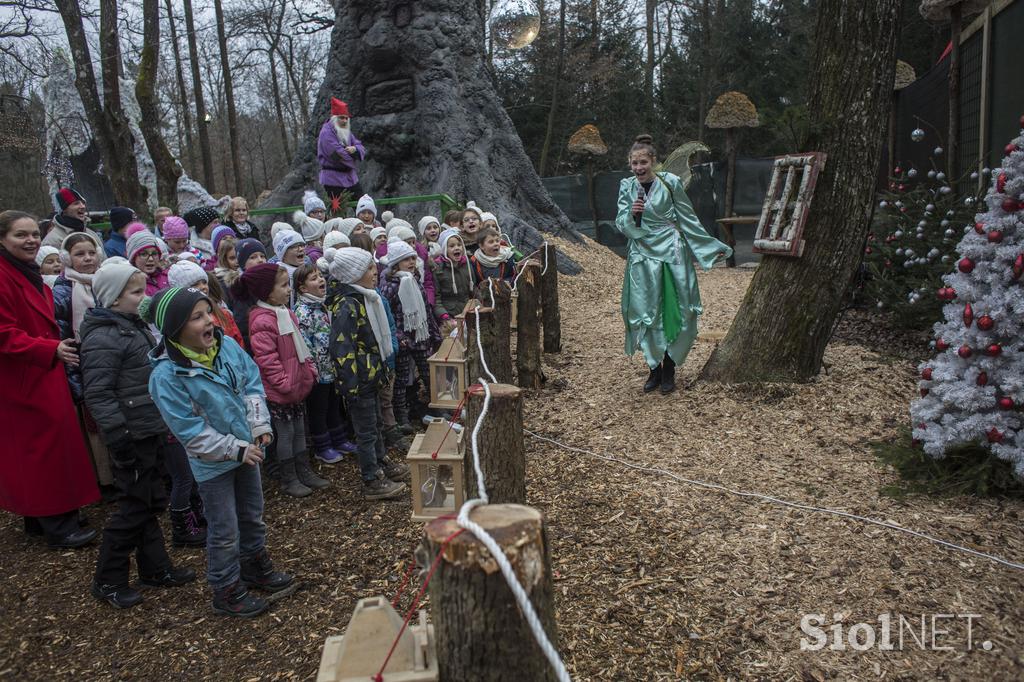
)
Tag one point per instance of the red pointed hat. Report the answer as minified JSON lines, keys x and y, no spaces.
{"x":339,"y":108}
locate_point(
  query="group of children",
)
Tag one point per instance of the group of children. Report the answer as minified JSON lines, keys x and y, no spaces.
{"x":208,"y":358}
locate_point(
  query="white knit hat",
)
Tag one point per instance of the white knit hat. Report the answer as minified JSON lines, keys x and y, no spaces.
{"x":277,"y":227}
{"x":397,"y":252}
{"x":443,"y":238}
{"x":110,"y":280}
{"x":284,"y":240}
{"x":378,"y":232}
{"x":343,"y":225}
{"x":485,"y":216}
{"x":365,"y":203}
{"x":45,"y":251}
{"x":311,"y":202}
{"x":471,"y":206}
{"x":386,"y":217}
{"x":425,"y":222}
{"x":400,"y":230}
{"x":336,"y":239}
{"x":185,"y":273}
{"x":348,"y":265}
{"x":311,"y":228}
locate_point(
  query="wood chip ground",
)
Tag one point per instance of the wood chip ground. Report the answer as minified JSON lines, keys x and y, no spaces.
{"x":655,"y":579}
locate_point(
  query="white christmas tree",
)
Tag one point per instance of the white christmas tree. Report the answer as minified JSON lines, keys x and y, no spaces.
{"x":972,"y":391}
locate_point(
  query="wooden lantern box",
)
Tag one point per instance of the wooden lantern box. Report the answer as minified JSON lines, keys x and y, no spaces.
{"x":447,"y":374}
{"x":436,"y":460}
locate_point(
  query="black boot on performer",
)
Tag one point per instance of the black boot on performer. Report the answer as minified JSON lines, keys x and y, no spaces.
{"x":653,"y":380}
{"x":668,"y":375}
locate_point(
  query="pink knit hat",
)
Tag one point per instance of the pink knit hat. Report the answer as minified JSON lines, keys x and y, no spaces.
{"x":175,"y":228}
{"x":133,"y":228}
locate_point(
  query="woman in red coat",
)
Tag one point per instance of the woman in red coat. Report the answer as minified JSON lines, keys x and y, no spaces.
{"x":45,"y":473}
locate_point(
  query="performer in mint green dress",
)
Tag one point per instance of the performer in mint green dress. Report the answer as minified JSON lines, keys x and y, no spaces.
{"x":660,"y":297}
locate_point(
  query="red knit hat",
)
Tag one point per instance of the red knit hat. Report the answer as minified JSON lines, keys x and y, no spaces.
{"x":339,"y":108}
{"x":256,"y":282}
{"x":67,"y":196}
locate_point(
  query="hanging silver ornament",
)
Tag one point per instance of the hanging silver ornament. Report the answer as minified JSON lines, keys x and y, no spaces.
{"x":945,"y":259}
{"x":944,"y":223}
{"x":883,"y":204}
{"x":922,"y":260}
{"x":899,"y":204}
{"x":897,"y":234}
{"x":949,"y":233}
{"x":933,"y":253}
{"x":916,"y":134}
{"x":910,"y":253}
{"x":938,"y":151}
{"x":931,"y":175}
{"x":949,"y":214}
{"x":921,"y":225}
{"x":907,"y":263}
{"x":514,"y":23}
{"x":912,"y":173}
{"x":880,"y":304}
{"x":940,"y":176}
{"x":945,"y":189}
{"x":986,"y":171}
{"x":930,"y":207}
{"x":974,"y":175}
{"x":899,"y":252}
{"x":920,"y":235}
{"x":969,"y":201}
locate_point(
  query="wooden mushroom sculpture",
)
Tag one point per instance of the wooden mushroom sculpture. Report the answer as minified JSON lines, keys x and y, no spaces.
{"x":587,"y":142}
{"x":905,"y":75}
{"x":953,"y":11}
{"x":730,"y":111}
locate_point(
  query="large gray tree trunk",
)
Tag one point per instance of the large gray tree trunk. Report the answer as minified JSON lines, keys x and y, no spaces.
{"x":414,"y":76}
{"x":784,"y":323}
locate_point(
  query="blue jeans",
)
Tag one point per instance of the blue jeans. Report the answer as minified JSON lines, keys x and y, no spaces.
{"x":233,"y":503}
{"x":364,"y":411}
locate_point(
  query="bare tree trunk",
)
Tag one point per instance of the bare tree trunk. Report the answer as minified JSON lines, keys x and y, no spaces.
{"x":197,"y":86}
{"x":552,"y":315}
{"x":549,"y":132}
{"x":275,"y":88}
{"x":225,"y":65}
{"x":500,"y":440}
{"x":400,"y":94}
{"x":651,"y":7}
{"x":788,"y":313}
{"x":107,"y":120}
{"x":953,"y":143}
{"x":528,"y":359}
{"x":730,"y":169}
{"x":167,"y":169}
{"x":186,"y":114}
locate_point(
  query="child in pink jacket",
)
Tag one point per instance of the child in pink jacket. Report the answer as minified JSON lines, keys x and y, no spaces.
{"x":287,"y":368}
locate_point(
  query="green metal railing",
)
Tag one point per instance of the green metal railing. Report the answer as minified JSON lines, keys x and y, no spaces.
{"x":447,"y":204}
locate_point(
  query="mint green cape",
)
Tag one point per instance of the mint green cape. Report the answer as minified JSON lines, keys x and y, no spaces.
{"x":660,"y":296}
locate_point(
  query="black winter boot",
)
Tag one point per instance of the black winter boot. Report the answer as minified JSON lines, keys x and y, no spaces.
{"x":258,"y":571}
{"x":235,"y":600}
{"x":668,"y":375}
{"x":119,"y":596}
{"x":186,"y":530}
{"x":653,"y":380}
{"x":308,"y":477}
{"x":290,"y":483}
{"x":172,"y":577}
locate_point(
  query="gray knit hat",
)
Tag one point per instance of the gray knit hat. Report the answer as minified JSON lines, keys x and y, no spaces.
{"x":110,"y":280}
{"x":348,"y":264}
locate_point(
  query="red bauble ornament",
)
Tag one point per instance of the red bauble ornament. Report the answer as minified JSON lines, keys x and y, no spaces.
{"x":1010,"y":148}
{"x":993,"y":350}
{"x":896,"y":170}
{"x":903,"y":209}
{"x":867,"y":250}
{"x":1001,"y":183}
{"x":888,"y":263}
{"x":985,"y":323}
{"x":966,"y":265}
{"x":1010,"y":205}
{"x":941,"y":345}
{"x":926,"y":374}
{"x":968,"y":315}
{"x":924,"y":392}
{"x":903,"y":188}
{"x":982,"y":378}
{"x":964,"y":352}
{"x":979,"y":228}
{"x":922,"y":425}
{"x":1021,"y":121}
{"x":1005,"y":403}
{"x":871,"y":237}
{"x":994,"y":435}
{"x":1018,"y":266}
{"x":995,"y":236}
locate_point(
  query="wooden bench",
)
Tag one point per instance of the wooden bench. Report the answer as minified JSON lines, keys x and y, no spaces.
{"x":730,"y":239}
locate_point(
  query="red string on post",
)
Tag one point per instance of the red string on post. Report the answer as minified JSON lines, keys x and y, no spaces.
{"x":451,"y":425}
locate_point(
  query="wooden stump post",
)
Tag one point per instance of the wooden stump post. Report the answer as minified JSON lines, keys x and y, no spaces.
{"x":528,"y":364}
{"x":549,"y":302}
{"x":494,"y":333}
{"x":480,"y":633}
{"x":501,"y":444}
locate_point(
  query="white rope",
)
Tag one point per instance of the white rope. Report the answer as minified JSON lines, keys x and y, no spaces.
{"x":490,"y":285}
{"x":785,"y":503}
{"x":545,"y":247}
{"x":480,"y":346}
{"x":523,"y":599}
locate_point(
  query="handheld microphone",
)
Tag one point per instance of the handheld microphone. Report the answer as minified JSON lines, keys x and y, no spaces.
{"x":641,"y":196}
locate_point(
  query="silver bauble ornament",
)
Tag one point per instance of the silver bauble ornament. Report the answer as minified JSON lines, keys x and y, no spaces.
{"x":880,"y":304}
{"x":974,"y":175}
{"x":931,"y":175}
{"x":969,"y":201}
{"x":897,"y":234}
{"x":940,"y":176}
{"x":921,"y":225}
{"x":986,"y":171}
{"x":883,"y":204}
{"x":909,"y":252}
{"x":945,"y":189}
{"x":514,"y":23}
{"x":912,"y":173}
{"x":899,"y":252}
{"x":938,"y":151}
{"x":930,"y":207}
{"x":950,"y":232}
{"x":920,"y":235}
{"x":933,"y":253}
{"x":945,"y":259}
{"x":916,"y":134}
{"x":944,"y":223}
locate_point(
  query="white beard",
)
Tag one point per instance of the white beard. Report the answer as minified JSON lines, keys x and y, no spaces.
{"x":344,"y":133}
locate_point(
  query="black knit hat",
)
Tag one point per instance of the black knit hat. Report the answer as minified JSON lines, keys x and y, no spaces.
{"x":171,"y":308}
{"x":198,"y":218}
{"x":120,"y":217}
{"x":67,"y":196}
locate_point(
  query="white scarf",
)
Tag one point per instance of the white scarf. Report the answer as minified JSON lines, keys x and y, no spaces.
{"x":378,"y":320}
{"x":504,"y":253}
{"x":414,"y":312}
{"x":81,"y":297}
{"x":203,"y":246}
{"x":344,"y":133}
{"x":310,"y":298}
{"x":433,"y":249}
{"x":286,"y":326}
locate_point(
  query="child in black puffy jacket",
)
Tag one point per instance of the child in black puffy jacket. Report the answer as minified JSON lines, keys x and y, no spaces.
{"x":115,"y":371}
